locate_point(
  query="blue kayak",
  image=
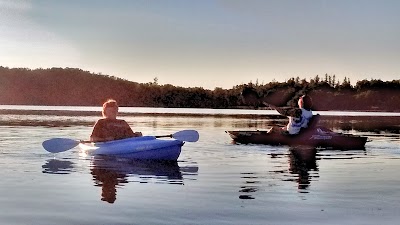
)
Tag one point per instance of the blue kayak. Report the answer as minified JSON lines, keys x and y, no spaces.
{"x":146,"y":147}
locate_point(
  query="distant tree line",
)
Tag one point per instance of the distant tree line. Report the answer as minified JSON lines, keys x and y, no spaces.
{"x":330,"y":94}
{"x":72,"y":86}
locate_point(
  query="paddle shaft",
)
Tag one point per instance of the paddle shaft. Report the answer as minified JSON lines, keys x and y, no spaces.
{"x":161,"y":136}
{"x":158,"y":136}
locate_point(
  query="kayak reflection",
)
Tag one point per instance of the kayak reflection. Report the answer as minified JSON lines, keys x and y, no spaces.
{"x":111,"y":173}
{"x":302,"y":159}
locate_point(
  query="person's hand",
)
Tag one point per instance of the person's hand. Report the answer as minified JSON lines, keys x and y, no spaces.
{"x":138,"y":134}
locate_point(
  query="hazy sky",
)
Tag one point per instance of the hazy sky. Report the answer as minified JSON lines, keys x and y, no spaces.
{"x":208,"y":43}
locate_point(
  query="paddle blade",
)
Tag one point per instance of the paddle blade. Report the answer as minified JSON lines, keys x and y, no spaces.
{"x":56,"y":145}
{"x":250,"y":96}
{"x":187,"y":135}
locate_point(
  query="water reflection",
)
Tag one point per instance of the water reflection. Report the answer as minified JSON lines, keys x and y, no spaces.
{"x":56,"y":166}
{"x":362,"y":123}
{"x":108,"y":179}
{"x":303,"y":164}
{"x":112,"y":173}
{"x":295,"y":164}
{"x":302,"y":160}
{"x":250,"y":186}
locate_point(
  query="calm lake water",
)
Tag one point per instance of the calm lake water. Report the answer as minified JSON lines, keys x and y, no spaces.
{"x":214,"y":180}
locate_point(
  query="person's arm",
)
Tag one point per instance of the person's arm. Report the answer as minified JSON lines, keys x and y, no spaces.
{"x":286,"y":111}
{"x":289,"y":111}
{"x":96,"y":129}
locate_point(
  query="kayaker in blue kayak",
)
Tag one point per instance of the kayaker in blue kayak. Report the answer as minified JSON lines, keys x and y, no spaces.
{"x":109,"y":127}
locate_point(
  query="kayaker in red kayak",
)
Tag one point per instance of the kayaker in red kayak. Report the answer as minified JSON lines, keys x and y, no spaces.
{"x":301,"y":116}
{"x":109,"y":127}
{"x":298,"y":117}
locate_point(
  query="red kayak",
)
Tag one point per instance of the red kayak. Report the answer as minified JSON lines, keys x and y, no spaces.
{"x":313,"y":136}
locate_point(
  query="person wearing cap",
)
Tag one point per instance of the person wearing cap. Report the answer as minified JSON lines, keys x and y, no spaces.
{"x":109,"y":127}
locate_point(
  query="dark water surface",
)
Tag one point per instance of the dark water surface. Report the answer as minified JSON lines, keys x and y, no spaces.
{"x":213,"y":182}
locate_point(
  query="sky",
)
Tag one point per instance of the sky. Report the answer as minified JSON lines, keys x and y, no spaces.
{"x":207,"y":43}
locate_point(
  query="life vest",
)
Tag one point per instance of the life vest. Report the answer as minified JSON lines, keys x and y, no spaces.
{"x":295,"y":124}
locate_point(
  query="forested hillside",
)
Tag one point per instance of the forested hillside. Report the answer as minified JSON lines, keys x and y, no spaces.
{"x":71,"y":86}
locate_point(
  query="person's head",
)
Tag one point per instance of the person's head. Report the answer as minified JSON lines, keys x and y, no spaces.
{"x":305,"y":102}
{"x":110,"y":109}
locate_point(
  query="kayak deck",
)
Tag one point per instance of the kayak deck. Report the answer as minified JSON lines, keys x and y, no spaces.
{"x":146,"y":147}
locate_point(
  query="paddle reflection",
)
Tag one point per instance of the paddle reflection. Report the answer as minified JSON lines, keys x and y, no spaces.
{"x":112,"y":173}
{"x":56,"y":166}
{"x":301,"y":161}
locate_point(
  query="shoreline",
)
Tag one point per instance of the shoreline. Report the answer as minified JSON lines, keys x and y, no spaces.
{"x":256,"y":114}
{"x":122,"y":114}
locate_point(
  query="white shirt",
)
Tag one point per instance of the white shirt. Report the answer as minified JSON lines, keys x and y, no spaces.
{"x":295,"y":124}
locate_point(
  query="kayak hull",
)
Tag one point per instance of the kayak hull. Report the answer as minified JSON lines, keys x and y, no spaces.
{"x":145,"y":148}
{"x":318,"y":137}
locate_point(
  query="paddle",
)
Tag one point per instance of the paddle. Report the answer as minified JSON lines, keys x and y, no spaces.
{"x":251,"y":97}
{"x":56,"y":145}
{"x":184,"y":135}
